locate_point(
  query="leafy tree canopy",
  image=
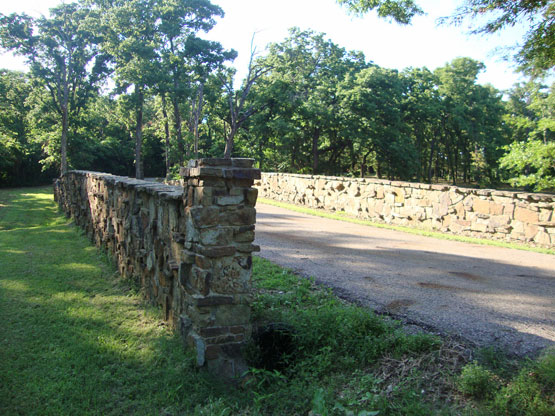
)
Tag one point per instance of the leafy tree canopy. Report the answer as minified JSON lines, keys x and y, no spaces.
{"x":537,"y":53}
{"x":401,"y":11}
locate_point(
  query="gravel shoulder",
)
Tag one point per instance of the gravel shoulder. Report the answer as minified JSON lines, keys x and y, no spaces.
{"x":486,"y":295}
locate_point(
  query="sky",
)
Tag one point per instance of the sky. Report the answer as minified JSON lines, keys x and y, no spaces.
{"x":387,"y":44}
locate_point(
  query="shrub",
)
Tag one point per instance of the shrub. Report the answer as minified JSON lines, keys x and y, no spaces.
{"x":477,"y":382}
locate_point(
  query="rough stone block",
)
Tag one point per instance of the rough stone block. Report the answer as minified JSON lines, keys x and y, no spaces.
{"x":481,"y":206}
{"x":217,"y":251}
{"x":242,"y":163}
{"x":526,"y":215}
{"x":216,"y":236}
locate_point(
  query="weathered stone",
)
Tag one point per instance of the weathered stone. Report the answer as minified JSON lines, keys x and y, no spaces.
{"x":245,"y":216}
{"x":214,"y":162}
{"x":181,"y":244}
{"x":542,"y":238}
{"x":242,"y":162}
{"x":481,"y":206}
{"x":435,"y":207}
{"x":530,"y":231}
{"x":216,"y":236}
{"x":251,"y":196}
{"x":228,"y":200}
{"x":213,"y":300}
{"x":526,"y":215}
{"x":238,"y":173}
{"x":204,"y":216}
{"x":247,"y":248}
{"x":499,"y":221}
{"x":217,"y":251}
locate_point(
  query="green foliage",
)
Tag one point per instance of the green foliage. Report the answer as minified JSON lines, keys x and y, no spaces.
{"x":477,"y":382}
{"x":536,"y":54}
{"x":533,"y":162}
{"x":314,"y":107}
{"x":20,"y":148}
{"x":332,"y":339}
{"x":62,"y":52}
{"x":531,"y":392}
{"x":402,"y":11}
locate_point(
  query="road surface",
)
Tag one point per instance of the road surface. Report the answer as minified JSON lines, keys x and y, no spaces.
{"x":484,"y":294}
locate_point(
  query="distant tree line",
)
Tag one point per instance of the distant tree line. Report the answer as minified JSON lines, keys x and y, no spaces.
{"x":131,"y":87}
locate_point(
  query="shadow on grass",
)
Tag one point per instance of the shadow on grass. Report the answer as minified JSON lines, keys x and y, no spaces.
{"x":73,"y":339}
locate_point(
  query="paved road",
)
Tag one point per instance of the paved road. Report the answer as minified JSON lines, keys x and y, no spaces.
{"x":488,"y":295}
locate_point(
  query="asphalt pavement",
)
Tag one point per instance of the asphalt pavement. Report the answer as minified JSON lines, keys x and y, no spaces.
{"x":489,"y":296}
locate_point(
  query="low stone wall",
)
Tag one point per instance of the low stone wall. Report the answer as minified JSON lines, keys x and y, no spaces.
{"x":190,"y":246}
{"x":483,"y":213}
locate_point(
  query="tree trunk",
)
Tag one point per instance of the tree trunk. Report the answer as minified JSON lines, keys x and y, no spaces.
{"x":139,"y":173}
{"x":229,"y":143}
{"x":315,"y":153}
{"x":431,"y":159}
{"x":260,"y":154}
{"x":166,"y":133}
{"x":177,"y":124}
{"x":363,"y":164}
{"x":198,"y":112}
{"x":65,"y":122}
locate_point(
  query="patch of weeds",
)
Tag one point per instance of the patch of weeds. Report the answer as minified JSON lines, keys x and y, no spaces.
{"x":477,"y":382}
{"x":531,"y":392}
{"x":528,"y":392}
{"x":214,"y":407}
{"x":497,"y":361}
{"x":333,"y":340}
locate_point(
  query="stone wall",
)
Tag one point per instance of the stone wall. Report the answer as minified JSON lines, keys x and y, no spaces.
{"x":189,"y":246}
{"x":483,"y":213}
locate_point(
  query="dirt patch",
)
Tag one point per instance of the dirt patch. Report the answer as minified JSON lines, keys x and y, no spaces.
{"x":468,"y":276}
{"x":431,"y":285}
{"x":431,"y":368}
{"x":399,"y":304}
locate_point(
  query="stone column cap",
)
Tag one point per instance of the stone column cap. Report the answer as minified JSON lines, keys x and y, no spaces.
{"x":236,"y":168}
{"x":236,"y":162}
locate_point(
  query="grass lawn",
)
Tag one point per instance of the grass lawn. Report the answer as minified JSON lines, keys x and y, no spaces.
{"x":75,"y":340}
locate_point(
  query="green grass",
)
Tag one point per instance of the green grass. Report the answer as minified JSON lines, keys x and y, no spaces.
{"x":77,"y":340}
{"x":74,"y":339}
{"x":342,"y":216}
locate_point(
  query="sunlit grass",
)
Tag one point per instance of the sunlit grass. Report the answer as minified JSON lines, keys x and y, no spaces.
{"x":74,"y":339}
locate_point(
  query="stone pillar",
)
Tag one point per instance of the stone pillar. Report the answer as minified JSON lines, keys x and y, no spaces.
{"x":216,"y":267}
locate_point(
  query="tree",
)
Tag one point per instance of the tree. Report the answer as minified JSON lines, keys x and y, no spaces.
{"x":401,"y":11}
{"x":63,"y":53}
{"x":373,"y":98}
{"x":238,"y":112}
{"x":187,"y":60}
{"x":421,"y":112}
{"x":530,"y":115}
{"x":19,"y":154}
{"x":537,"y":53}
{"x":301,"y":88}
{"x":130,"y":38}
{"x":532,"y":162}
